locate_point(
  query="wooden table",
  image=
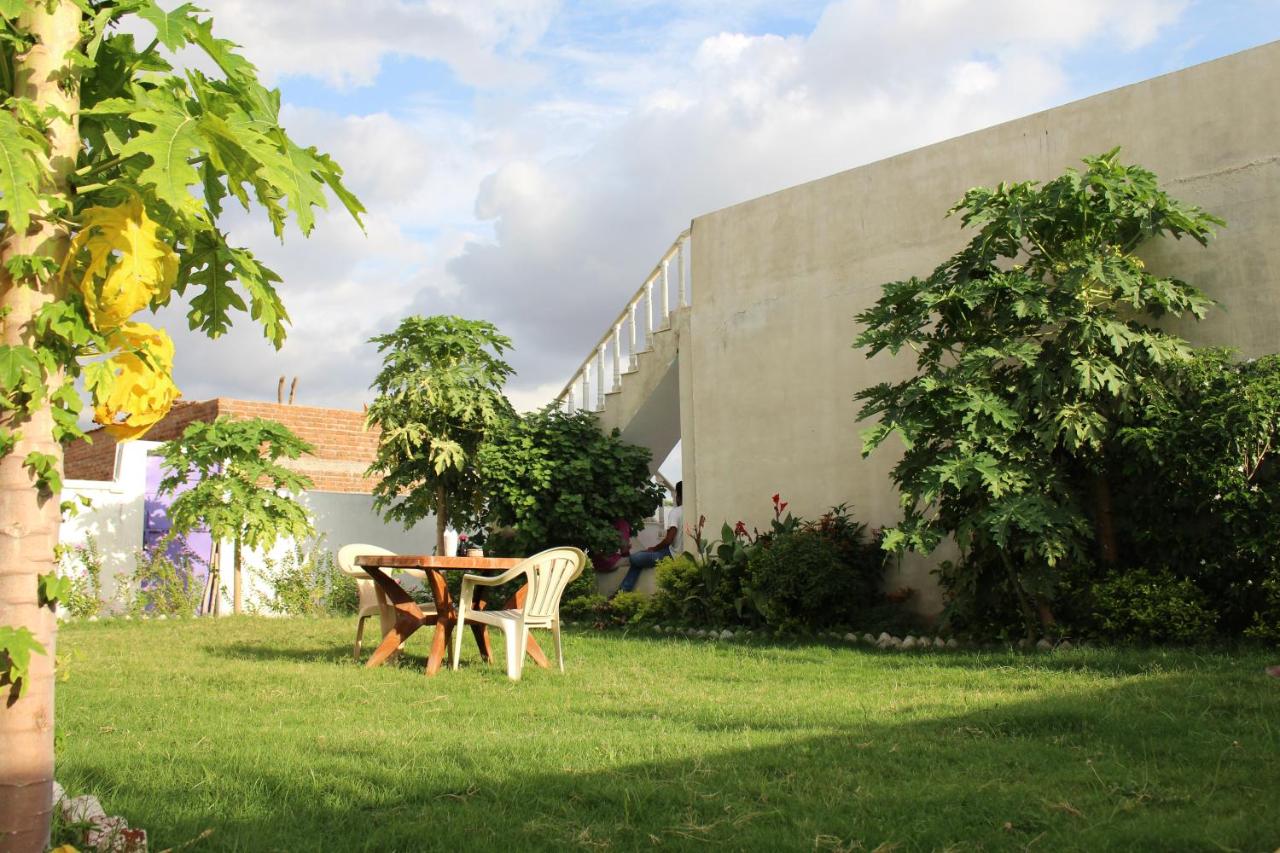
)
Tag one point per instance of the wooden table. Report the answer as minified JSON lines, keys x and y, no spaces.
{"x":410,"y":617}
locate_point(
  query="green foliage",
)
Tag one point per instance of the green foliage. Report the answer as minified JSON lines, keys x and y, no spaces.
{"x":798,"y":574}
{"x":1033,"y":347}
{"x":628,"y":608}
{"x":681,"y":596}
{"x":243,"y":491}
{"x":16,"y":647}
{"x":439,"y":397}
{"x":1266,"y":621}
{"x":53,"y":588}
{"x":182,"y":143}
{"x":1199,"y":483}
{"x":820,"y":575}
{"x":308,"y":582}
{"x":1152,"y":606}
{"x":82,"y":566}
{"x":555,"y":479}
{"x":163,"y":582}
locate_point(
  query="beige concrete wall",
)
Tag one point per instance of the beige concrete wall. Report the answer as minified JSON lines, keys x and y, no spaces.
{"x":778,"y":280}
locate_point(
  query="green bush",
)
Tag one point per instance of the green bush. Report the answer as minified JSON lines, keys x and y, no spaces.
{"x":681,"y":595}
{"x":629,"y":608}
{"x":796,"y":574}
{"x":162,"y":583}
{"x":83,"y":564}
{"x":1199,"y":483}
{"x":554,"y":479}
{"x":308,"y":582}
{"x":819,"y":575}
{"x":1152,"y":606}
{"x":1266,"y":619}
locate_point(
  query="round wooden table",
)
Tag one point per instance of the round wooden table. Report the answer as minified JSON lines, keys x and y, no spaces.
{"x":410,"y":617}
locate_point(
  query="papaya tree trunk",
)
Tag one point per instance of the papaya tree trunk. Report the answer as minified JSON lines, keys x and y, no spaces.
{"x":237,"y":601}
{"x":29,"y":520}
{"x":442,"y":521}
{"x":1104,"y":521}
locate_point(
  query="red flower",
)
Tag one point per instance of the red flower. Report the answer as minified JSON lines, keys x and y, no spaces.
{"x":740,"y":529}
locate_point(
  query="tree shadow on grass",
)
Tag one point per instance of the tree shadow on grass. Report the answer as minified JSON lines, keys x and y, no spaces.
{"x":1127,"y":767}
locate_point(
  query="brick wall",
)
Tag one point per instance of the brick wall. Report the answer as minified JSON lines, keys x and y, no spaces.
{"x":343,"y":448}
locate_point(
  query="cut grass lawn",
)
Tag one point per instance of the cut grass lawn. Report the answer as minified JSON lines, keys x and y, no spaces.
{"x":264,"y":732}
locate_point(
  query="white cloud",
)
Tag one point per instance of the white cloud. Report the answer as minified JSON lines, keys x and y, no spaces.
{"x":345,"y":43}
{"x":541,"y":209}
{"x":746,"y":115}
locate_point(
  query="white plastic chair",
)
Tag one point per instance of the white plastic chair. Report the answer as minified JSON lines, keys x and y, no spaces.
{"x":547,"y":574}
{"x":373,"y":602}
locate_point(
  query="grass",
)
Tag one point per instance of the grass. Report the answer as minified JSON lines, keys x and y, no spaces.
{"x":265,"y":734}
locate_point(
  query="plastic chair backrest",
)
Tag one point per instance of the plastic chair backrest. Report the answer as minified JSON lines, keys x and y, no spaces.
{"x":549,"y":573}
{"x":348,"y":554}
{"x":365,"y":589}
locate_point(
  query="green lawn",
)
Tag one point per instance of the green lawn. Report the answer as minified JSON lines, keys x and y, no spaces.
{"x":266,"y":734}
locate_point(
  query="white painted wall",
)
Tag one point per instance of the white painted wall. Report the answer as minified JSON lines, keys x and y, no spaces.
{"x":115,"y":520}
{"x":115,"y":514}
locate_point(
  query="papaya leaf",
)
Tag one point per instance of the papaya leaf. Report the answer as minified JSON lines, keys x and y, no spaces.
{"x":174,"y":137}
{"x":20,"y":171}
{"x":16,"y":647}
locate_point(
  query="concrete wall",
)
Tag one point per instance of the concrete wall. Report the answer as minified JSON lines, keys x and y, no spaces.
{"x":768,"y":378}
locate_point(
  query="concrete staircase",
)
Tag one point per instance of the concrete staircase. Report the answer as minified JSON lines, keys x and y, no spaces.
{"x":631,"y":379}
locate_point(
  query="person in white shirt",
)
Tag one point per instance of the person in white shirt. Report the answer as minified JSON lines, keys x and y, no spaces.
{"x":672,"y":544}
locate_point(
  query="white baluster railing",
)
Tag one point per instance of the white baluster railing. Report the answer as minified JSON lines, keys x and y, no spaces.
{"x":610,"y":345}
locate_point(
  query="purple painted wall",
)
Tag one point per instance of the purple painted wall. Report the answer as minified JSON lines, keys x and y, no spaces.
{"x":156,"y":525}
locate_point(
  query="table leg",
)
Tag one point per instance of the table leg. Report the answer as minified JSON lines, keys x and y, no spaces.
{"x":516,"y":602}
{"x":446,"y":616}
{"x":409,"y":617}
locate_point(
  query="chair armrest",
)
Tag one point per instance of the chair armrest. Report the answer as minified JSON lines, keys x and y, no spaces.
{"x":496,"y":580}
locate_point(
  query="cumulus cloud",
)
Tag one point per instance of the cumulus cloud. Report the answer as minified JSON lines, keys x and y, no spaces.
{"x":749,"y":114}
{"x":345,"y":43}
{"x":542,"y":204}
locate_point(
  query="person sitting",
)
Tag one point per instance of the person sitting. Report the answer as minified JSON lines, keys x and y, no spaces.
{"x":672,"y":543}
{"x":605,"y":563}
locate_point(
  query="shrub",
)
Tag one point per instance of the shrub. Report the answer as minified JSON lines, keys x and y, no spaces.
{"x":681,"y":595}
{"x":629,"y":608}
{"x":555,"y":479}
{"x":1266,"y":619}
{"x":164,"y":581}
{"x":1152,"y":606}
{"x":1200,"y":484}
{"x":308,"y":582}
{"x":83,"y":564}
{"x":817,"y":575}
{"x":796,"y":574}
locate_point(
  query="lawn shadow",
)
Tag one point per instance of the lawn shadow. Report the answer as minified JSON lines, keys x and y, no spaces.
{"x":1107,"y":768}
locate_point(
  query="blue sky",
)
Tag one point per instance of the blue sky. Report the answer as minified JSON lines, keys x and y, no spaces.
{"x":526,"y":161}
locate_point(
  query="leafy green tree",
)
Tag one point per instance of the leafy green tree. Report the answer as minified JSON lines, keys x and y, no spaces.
{"x":243,"y":491}
{"x":1033,"y":345}
{"x":114,"y":173}
{"x":558,"y":480}
{"x":1198,"y":489}
{"x":439,"y":398}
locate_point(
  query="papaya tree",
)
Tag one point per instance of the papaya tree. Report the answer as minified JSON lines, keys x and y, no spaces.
{"x":115,"y":169}
{"x":1033,"y":347}
{"x":241,"y":491}
{"x":439,"y":399}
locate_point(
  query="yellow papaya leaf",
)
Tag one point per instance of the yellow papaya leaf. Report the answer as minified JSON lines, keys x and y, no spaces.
{"x":125,"y":263}
{"x":141,"y":389}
